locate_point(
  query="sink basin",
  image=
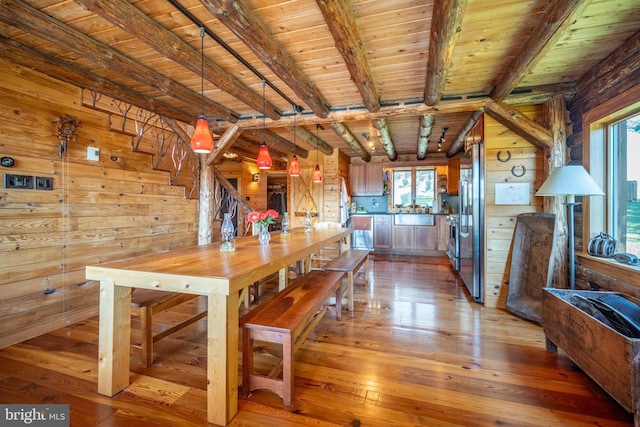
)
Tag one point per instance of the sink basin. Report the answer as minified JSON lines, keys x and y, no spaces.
{"x":414,"y":219}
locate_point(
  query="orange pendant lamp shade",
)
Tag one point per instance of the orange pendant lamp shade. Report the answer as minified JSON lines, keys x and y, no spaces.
{"x":294,"y":168}
{"x":317,"y":175}
{"x":264,"y":159}
{"x":202,"y":142}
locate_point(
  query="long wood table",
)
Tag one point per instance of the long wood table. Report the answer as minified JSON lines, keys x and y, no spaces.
{"x":200,"y":270}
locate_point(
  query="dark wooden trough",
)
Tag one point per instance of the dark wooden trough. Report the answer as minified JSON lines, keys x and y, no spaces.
{"x":607,"y":355}
{"x":532,"y":264}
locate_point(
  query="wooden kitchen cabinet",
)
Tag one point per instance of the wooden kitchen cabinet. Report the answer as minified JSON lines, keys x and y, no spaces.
{"x":365,"y":179}
{"x":426,"y":237}
{"x":382,"y":231}
{"x":403,"y":236}
{"x":442,"y":229}
{"x":453,"y":176}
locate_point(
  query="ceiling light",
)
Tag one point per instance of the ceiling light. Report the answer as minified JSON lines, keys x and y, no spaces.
{"x":294,"y":168}
{"x":264,"y":159}
{"x":201,"y":141}
{"x":317,"y":175}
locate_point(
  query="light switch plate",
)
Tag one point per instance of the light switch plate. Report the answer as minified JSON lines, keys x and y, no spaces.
{"x":93,"y":153}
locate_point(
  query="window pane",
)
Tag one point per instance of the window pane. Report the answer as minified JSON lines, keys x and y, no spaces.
{"x":402,"y":187}
{"x":425,"y":187}
{"x":625,"y":206}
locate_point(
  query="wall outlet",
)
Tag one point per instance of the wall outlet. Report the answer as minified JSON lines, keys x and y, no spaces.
{"x":93,"y":153}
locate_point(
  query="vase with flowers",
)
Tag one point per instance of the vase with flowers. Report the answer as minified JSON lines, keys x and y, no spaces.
{"x":263,"y":220}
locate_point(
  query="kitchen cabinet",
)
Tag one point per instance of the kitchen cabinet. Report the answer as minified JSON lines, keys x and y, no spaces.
{"x":426,"y":237}
{"x":403,"y":236}
{"x":382,"y":231}
{"x":453,"y":176}
{"x":415,"y":237}
{"x":366,"y":179}
{"x":442,"y":230}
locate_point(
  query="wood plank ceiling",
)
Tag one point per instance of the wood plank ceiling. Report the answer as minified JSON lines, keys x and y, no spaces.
{"x":383,"y":78}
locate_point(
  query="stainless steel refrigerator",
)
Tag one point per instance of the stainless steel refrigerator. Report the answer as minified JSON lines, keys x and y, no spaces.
{"x":471,"y":220}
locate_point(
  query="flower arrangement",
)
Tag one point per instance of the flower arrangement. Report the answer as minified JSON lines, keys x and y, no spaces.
{"x":263,"y":218}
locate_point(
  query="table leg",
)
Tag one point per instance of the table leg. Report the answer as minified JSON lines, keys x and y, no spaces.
{"x":222,"y":358}
{"x":114,"y":338}
{"x":283,"y":276}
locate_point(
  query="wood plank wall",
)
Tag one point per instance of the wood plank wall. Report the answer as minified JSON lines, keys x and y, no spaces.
{"x":97,"y":211}
{"x":500,"y":220}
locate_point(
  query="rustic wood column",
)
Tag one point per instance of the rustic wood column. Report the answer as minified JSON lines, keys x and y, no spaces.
{"x":205,"y":204}
{"x":556,"y":119}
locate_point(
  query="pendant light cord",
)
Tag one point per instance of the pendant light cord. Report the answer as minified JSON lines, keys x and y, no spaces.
{"x":202,"y":66}
{"x":317,"y":139}
{"x":295,"y":115}
{"x":264,"y":111}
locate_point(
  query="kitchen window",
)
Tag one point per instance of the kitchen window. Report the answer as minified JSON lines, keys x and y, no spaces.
{"x":413,"y":186}
{"x":614,"y":152}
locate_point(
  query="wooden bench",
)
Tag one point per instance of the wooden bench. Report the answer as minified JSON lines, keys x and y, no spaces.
{"x":145,"y":303}
{"x":350,"y":262}
{"x":287,"y":318}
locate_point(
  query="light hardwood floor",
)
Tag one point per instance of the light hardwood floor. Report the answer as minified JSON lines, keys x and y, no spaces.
{"x":415,"y":352}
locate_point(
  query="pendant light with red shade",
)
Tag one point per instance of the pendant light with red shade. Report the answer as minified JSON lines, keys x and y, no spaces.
{"x":201,"y":141}
{"x":294,"y":167}
{"x":317,"y":175}
{"x":264,"y":159}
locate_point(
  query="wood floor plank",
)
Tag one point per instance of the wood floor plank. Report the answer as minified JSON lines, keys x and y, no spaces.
{"x":415,"y":351}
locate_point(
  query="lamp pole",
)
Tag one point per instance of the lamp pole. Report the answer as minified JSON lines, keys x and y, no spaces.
{"x":571,"y":202}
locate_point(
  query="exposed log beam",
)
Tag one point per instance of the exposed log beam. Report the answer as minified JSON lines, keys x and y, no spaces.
{"x":458,"y":144}
{"x":141,"y":26}
{"x":385,"y":138}
{"x":613,"y":71}
{"x":520,"y":124}
{"x":313,"y":141}
{"x":274,"y":140}
{"x":241,"y":20}
{"x":445,"y":27}
{"x":17,"y":53}
{"x":556,"y":117}
{"x":224,"y":143}
{"x":343,"y":132}
{"x":533,"y":96}
{"x":342,"y":24}
{"x":559,"y":15}
{"x":424,"y":133}
{"x":26,"y":18}
{"x":234,"y":193}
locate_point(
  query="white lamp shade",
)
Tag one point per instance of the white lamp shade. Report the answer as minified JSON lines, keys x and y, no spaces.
{"x":570,"y":181}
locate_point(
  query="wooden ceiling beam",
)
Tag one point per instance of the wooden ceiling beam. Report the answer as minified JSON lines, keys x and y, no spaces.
{"x":139,"y":25}
{"x":532,"y":96}
{"x":559,"y":16}
{"x":385,"y":138}
{"x":519,"y":123}
{"x":273,"y":140}
{"x":343,"y":132}
{"x":313,"y":141}
{"x":424,"y":133}
{"x":445,"y":27}
{"x":339,"y":18}
{"x":241,"y":20}
{"x":224,"y":144}
{"x":17,"y":53}
{"x":26,"y":18}
{"x":458,"y":144}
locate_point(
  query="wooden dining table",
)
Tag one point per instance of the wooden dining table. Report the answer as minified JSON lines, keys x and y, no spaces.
{"x":199,"y":270}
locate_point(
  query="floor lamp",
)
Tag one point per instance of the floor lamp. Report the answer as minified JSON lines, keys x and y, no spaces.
{"x":570,"y":181}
